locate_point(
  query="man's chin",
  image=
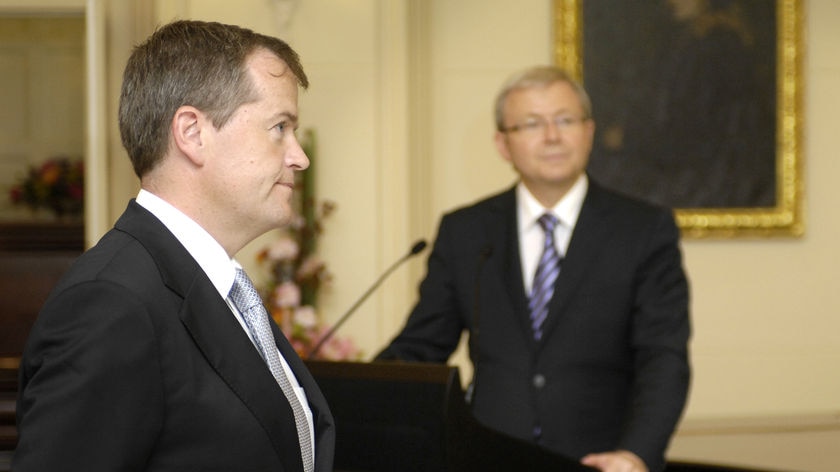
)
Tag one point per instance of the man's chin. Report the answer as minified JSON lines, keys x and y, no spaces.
{"x":282,"y":216}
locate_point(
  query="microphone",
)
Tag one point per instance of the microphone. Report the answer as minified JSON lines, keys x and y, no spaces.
{"x":485,"y":254}
{"x":417,"y":248}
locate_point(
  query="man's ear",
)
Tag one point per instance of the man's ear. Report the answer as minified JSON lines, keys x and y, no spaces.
{"x":187,"y":127}
{"x":500,"y":139}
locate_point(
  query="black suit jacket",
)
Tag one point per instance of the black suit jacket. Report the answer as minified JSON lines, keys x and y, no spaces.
{"x":135,"y":363}
{"x":611,"y":370}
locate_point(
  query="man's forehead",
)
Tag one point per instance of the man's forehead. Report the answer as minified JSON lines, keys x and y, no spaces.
{"x":263,"y":61}
{"x":557,"y":91}
{"x":272,"y":79}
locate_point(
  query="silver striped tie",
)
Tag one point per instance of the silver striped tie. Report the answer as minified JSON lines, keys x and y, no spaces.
{"x":247,"y":300}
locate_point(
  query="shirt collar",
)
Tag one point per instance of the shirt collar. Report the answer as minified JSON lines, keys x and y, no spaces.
{"x":207,"y":252}
{"x":566,"y":210}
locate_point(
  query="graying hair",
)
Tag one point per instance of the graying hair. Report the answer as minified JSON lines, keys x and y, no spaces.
{"x":202,"y":64}
{"x":539,"y":76}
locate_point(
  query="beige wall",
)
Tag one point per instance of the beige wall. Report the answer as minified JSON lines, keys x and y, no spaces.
{"x":765,"y":317}
{"x":40,"y":116}
{"x":400,"y":98}
{"x":764,"y":310}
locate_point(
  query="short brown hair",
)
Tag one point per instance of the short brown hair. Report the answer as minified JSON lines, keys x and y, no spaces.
{"x":195,"y":63}
{"x":538,"y":76}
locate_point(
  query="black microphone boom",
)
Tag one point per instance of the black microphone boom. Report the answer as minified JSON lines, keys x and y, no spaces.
{"x":415,"y":249}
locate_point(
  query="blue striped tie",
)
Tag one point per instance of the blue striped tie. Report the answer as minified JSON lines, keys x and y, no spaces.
{"x":546,"y":275}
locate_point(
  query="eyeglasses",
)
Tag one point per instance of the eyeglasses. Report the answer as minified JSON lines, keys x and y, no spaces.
{"x":537,"y":124}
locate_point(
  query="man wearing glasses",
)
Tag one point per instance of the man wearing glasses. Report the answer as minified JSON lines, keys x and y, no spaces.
{"x":574,"y":296}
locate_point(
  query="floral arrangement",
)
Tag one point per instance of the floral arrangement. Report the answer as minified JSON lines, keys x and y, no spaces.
{"x":297,"y":274}
{"x":57,"y":184}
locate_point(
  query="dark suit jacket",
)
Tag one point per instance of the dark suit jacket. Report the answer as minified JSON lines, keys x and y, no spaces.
{"x":135,"y":363}
{"x":611,"y":370}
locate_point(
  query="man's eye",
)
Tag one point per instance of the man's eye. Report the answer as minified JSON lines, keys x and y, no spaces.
{"x":531,"y":125}
{"x":567,"y":121}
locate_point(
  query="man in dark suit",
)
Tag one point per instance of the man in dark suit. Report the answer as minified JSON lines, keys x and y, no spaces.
{"x":145,"y":356}
{"x":579,"y":327}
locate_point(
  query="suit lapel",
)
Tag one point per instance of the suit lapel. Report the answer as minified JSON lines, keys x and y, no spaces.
{"x":237,"y":361}
{"x":590,"y":234}
{"x":504,"y":224}
{"x":321,"y":416}
{"x":216,"y":332}
{"x":232,"y":355}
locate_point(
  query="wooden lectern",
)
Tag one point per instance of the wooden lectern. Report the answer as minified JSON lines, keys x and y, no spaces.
{"x":406,"y":417}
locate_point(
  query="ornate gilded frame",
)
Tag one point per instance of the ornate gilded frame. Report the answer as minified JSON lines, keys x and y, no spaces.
{"x":785,"y":218}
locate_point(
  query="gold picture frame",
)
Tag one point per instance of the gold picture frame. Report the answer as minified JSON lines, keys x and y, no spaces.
{"x":782,"y":218}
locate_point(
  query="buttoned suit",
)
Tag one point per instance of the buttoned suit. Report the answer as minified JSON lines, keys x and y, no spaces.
{"x":611,"y":370}
{"x":147,"y":369}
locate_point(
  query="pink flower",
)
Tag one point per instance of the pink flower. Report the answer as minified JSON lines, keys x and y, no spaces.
{"x":298,"y":275}
{"x":297,"y":222}
{"x":336,"y":348}
{"x":310,"y":267}
{"x":286,"y":294}
{"x":306,"y":317}
{"x":283,"y":249}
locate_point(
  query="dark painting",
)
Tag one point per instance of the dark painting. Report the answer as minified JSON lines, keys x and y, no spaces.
{"x":684,"y":99}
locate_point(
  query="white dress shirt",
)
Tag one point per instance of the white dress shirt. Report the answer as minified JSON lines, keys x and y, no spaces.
{"x":220,"y":269}
{"x":531,"y":234}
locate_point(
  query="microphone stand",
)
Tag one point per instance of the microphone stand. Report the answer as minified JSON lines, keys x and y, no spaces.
{"x":416,"y":249}
{"x":485,"y":254}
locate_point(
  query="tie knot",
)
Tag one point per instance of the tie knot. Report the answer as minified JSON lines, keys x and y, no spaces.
{"x":243,"y":294}
{"x":548,"y":222}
